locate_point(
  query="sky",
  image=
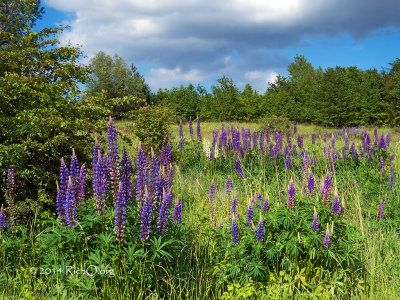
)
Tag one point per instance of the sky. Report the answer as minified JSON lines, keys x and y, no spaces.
{"x":251,"y":41}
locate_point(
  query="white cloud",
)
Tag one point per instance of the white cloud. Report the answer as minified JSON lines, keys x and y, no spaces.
{"x":193,"y":40}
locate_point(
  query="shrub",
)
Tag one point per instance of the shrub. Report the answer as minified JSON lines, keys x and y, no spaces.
{"x":152,"y":126}
{"x":278,"y":122}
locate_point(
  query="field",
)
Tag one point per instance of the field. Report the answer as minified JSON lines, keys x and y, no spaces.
{"x":306,"y":215}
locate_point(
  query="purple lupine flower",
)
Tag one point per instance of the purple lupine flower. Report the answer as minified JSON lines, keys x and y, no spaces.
{"x":228,"y":185}
{"x":146,"y":214}
{"x":62,"y":191}
{"x":141,"y":176}
{"x":165,"y":158}
{"x":163,"y":212}
{"x":74,"y":172}
{"x":382,"y":143}
{"x":391,"y":157}
{"x":170,"y":178}
{"x":310,"y":183}
{"x":113,"y":159}
{"x":235,"y":232}
{"x":313,"y":138}
{"x":291,"y":195}
{"x":126,"y":174}
{"x":120,"y":213}
{"x":294,"y":127}
{"x":315,"y":223}
{"x":346,"y":142}
{"x":223,"y":139}
{"x":3,"y":219}
{"x":381,"y":211}
{"x":376,"y":136}
{"x":325,"y":136}
{"x":70,"y":205}
{"x":221,"y":224}
{"x":260,"y":230}
{"x":300,"y":141}
{"x":265,"y":206}
{"x":10,"y":193}
{"x":59,"y":203}
{"x":306,"y":161}
{"x":287,"y":162}
{"x":267,"y":135}
{"x":261,"y":141}
{"x":327,"y":188}
{"x":250,"y":211}
{"x":96,"y":149}
{"x":198,"y":130}
{"x":336,"y":209}
{"x":255,"y":144}
{"x":234,"y":208}
{"x":327,"y":240}
{"x":81,"y":184}
{"x":239,"y":169}
{"x":354,"y":151}
{"x":191,"y":128}
{"x":212,"y":208}
{"x":382,"y":166}
{"x":391,"y":178}
{"x":180,"y":145}
{"x":387,"y":140}
{"x":154,"y":177}
{"x":177,"y":213}
{"x":99,"y":184}
{"x":294,"y":150}
{"x":344,"y":153}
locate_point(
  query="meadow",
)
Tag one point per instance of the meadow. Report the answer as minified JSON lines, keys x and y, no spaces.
{"x":239,"y":212}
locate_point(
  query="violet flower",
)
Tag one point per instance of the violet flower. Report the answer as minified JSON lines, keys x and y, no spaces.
{"x":146,"y":213}
{"x":235,"y":232}
{"x":250,"y":212}
{"x":141,"y":176}
{"x":126,"y":174}
{"x":113,"y":159}
{"x":265,"y":206}
{"x":260,"y":230}
{"x":291,"y":196}
{"x":381,"y":211}
{"x":177,"y":213}
{"x":315,"y":223}
{"x":238,"y":168}
{"x":336,"y":209}
{"x":81,"y":184}
{"x":326,"y":190}
{"x":198,"y":130}
{"x":326,"y":241}
{"x":228,"y":185}
{"x":212,"y":207}
{"x":120,"y":213}
{"x":310,"y":183}
{"x":3,"y":219}
{"x":191,"y":128}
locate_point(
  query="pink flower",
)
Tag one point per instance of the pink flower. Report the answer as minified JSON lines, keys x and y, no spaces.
{"x":133,"y":124}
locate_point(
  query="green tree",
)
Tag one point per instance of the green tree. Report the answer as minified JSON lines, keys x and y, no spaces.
{"x":249,"y":101}
{"x":116,"y":78}
{"x":39,"y":119}
{"x":226,"y":99}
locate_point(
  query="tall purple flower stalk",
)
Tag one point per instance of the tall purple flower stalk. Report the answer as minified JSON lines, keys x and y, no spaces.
{"x":391,"y":178}
{"x":261,"y":141}
{"x":100,"y":184}
{"x":146,"y":214}
{"x":235,"y":232}
{"x":291,"y":195}
{"x":326,"y":190}
{"x":141,"y":176}
{"x":336,"y":209}
{"x":382,"y":166}
{"x":382,"y":142}
{"x":191,"y":127}
{"x":310,"y":183}
{"x":198,"y":130}
{"x":70,"y":205}
{"x":177,"y":213}
{"x":62,"y":191}
{"x":294,"y":127}
{"x":3,"y":219}
{"x":260,"y":230}
{"x":287,"y":162}
{"x":181,"y":130}
{"x":255,"y":144}
{"x":81,"y":184}
{"x":126,"y":175}
{"x":228,"y":185}
{"x":327,"y":240}
{"x":163,"y":212}
{"x":120,"y":213}
{"x":10,"y":194}
{"x":300,"y":141}
{"x":74,"y":172}
{"x":250,"y":213}
{"x":265,"y":206}
{"x":267,"y":135}
{"x":113,"y":159}
{"x":238,"y":168}
{"x":313,"y":138}
{"x":391,"y":157}
{"x":381,"y":211}
{"x":154,"y":177}
{"x":212,"y":208}
{"x":234,"y":207}
{"x":315,"y":223}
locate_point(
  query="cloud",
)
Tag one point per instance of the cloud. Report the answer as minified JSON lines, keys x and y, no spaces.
{"x":194,"y":40}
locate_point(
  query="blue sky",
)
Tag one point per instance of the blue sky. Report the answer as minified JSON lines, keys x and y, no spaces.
{"x":251,"y":41}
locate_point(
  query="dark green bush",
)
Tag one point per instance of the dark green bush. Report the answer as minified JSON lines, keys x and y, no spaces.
{"x":278,"y":122}
{"x":152,"y":126}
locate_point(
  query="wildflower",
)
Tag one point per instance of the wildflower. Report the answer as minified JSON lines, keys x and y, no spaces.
{"x":146,"y":212}
{"x":327,"y":188}
{"x":141,"y":176}
{"x":212,"y":207}
{"x":3,"y":219}
{"x":313,"y":138}
{"x":126,"y":174}
{"x":234,"y":207}
{"x":261,"y":139}
{"x":336,"y":209}
{"x":291,"y":195}
{"x":191,"y":128}
{"x":198,"y":130}
{"x":177,"y":213}
{"x":70,"y":205}
{"x":294,"y":127}
{"x":267,"y":135}
{"x":310,"y":183}
{"x":315,"y":223}
{"x":300,"y":141}
{"x":238,"y":168}
{"x":326,"y":241}
{"x":382,"y":144}
{"x":265,"y":206}
{"x":387,"y":140}
{"x":287,"y":163}
{"x":260,"y":230}
{"x":113,"y":163}
{"x":250,"y":212}
{"x":99,"y":184}
{"x":163,"y":212}
{"x":81,"y":184}
{"x":391,"y":157}
{"x":235,"y":232}
{"x":154,"y":177}
{"x":381,"y":211}
{"x":120,"y":213}
{"x":74,"y":171}
{"x":382,"y":166}
{"x":255,"y":144}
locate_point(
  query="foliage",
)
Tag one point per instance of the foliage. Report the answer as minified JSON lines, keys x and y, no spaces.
{"x":39,"y":121}
{"x":152,"y":126}
{"x":280,"y":123}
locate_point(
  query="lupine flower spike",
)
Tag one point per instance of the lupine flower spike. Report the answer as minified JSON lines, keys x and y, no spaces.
{"x":3,"y":219}
{"x":327,"y":240}
{"x":265,"y":206}
{"x":310,"y":183}
{"x":260,"y":230}
{"x":177,"y":213}
{"x":250,"y":211}
{"x":291,"y":195}
{"x":336,"y":209}
{"x":212,"y":207}
{"x":120,"y":213}
{"x":315,"y":223}
{"x":228,"y":185}
{"x":235,"y":232}
{"x":381,"y":211}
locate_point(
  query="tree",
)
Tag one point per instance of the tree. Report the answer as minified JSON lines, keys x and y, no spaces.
{"x":116,"y":78}
{"x":226,"y":99}
{"x":39,"y":119}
